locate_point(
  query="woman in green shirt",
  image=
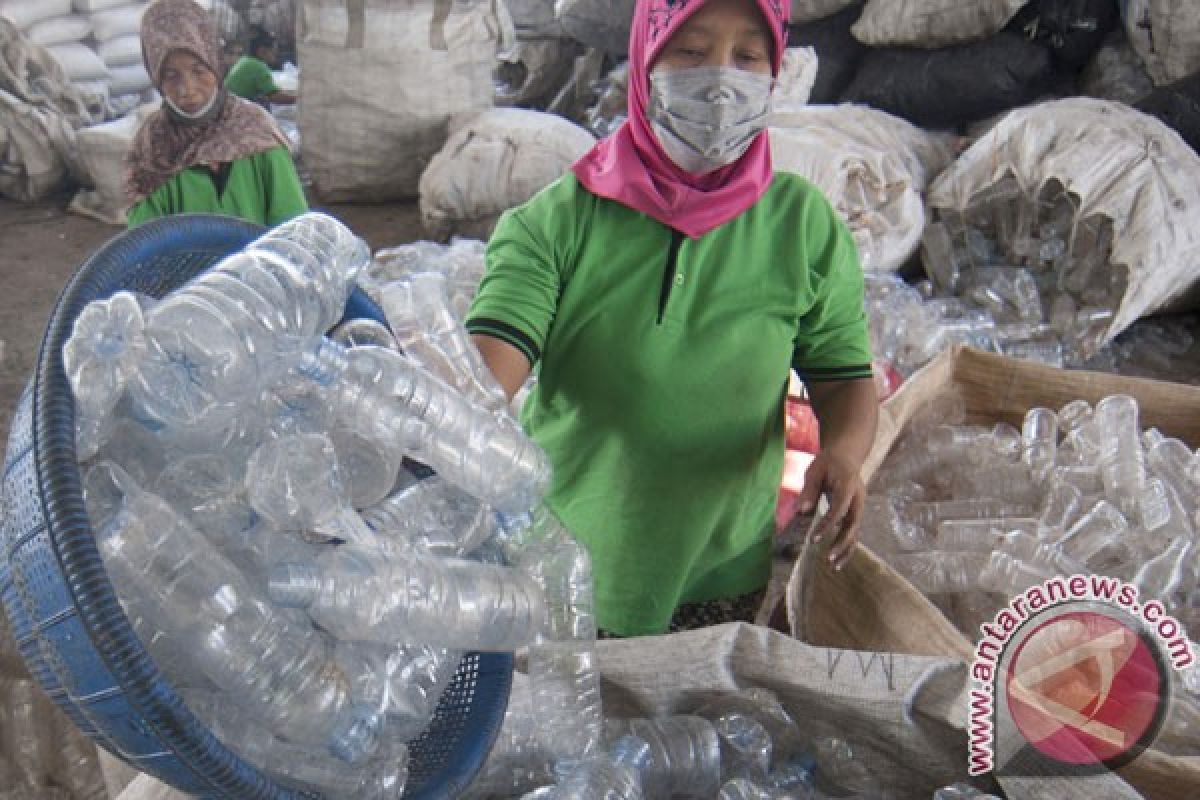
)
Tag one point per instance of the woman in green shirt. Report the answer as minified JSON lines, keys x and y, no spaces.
{"x":664,"y":289}
{"x":204,"y":150}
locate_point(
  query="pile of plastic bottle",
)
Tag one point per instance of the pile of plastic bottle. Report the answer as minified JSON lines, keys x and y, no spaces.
{"x":244,"y":474}
{"x":1026,"y":277}
{"x":980,"y":513}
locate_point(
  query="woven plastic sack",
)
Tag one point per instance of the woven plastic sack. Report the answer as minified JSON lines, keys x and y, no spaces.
{"x":797,"y":75}
{"x":495,"y":162}
{"x":87,"y":6}
{"x":1166,"y":34}
{"x":1116,"y":72}
{"x":58,"y":30}
{"x":381,"y":82}
{"x":1178,"y":105}
{"x":838,"y":52}
{"x":27,"y":13}
{"x":602,"y":24}
{"x":102,"y":150}
{"x":868,"y":606}
{"x":534,"y":18}
{"x":79,"y":61}
{"x":534,"y":70}
{"x":1118,"y":163}
{"x":116,"y":22}
{"x":121,"y":51}
{"x":809,"y":10}
{"x":872,"y":166}
{"x":932,"y":23}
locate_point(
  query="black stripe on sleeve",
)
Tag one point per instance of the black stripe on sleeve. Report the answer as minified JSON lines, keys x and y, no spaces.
{"x":506,"y":333}
{"x":852,"y":372}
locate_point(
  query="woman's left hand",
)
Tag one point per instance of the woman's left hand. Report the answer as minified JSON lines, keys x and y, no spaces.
{"x":838,"y":479}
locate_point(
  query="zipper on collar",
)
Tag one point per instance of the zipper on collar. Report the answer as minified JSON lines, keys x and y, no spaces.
{"x":669,"y":272}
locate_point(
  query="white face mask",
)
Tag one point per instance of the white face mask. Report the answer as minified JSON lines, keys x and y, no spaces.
{"x":199,"y":116}
{"x":707,"y":117}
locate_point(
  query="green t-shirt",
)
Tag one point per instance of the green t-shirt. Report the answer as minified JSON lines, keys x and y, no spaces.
{"x":250,"y":78}
{"x":662,"y":366}
{"x":262,"y":188}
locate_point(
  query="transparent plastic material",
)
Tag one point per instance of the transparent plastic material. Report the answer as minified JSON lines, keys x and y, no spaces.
{"x":685,"y":754}
{"x":616,"y":775}
{"x":237,"y":639}
{"x":412,"y":411}
{"x":358,"y":596}
{"x":434,"y":516}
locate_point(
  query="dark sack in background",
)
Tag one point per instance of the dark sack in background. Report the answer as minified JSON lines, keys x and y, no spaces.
{"x":954,"y":85}
{"x":1073,"y":29}
{"x":1178,"y":105}
{"x":838,"y":52}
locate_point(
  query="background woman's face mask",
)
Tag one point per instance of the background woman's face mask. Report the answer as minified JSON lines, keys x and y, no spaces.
{"x":707,"y":117}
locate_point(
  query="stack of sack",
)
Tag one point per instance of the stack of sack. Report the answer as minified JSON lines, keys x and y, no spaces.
{"x":95,"y":42}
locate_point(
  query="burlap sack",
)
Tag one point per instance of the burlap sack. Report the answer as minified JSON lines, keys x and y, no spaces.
{"x":1166,"y":34}
{"x":868,"y":606}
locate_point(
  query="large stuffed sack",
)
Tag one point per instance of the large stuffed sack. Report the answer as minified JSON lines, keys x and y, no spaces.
{"x":812,"y":10}
{"x":495,"y":162}
{"x":955,"y":85}
{"x":1178,"y":105}
{"x":1116,"y":72}
{"x":534,"y":17}
{"x":79,"y":61}
{"x":121,"y":51}
{"x":602,"y":24}
{"x":381,"y":82}
{"x":874,"y":169}
{"x":797,"y":76}
{"x":1166,"y":34}
{"x":838,"y":52}
{"x":86,"y":6}
{"x":114,"y":22}
{"x":26,"y":13}
{"x":102,"y":150}
{"x":932,"y":23}
{"x":535,"y":69}
{"x":1132,"y":182}
{"x":1073,"y":29}
{"x":59,"y":30}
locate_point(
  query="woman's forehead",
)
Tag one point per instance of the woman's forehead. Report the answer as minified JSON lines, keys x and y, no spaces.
{"x":181,"y":57}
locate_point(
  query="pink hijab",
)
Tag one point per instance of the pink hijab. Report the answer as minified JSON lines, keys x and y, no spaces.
{"x":630,"y":165}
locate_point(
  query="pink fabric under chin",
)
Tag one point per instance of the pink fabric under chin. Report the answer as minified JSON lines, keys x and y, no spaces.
{"x":630,"y":166}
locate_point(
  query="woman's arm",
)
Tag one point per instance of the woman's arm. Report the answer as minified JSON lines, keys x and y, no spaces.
{"x":848,"y":412}
{"x":506,"y":362}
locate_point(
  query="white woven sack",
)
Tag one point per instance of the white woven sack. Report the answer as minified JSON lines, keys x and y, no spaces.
{"x":60,"y":30}
{"x":379,"y":90}
{"x":810,"y":10}
{"x":797,"y":74}
{"x":122,"y":51}
{"x":1121,"y":164}
{"x":116,"y":22}
{"x":1166,"y":34}
{"x":102,"y":150}
{"x":535,"y":17}
{"x":537,"y":67}
{"x":86,"y":6}
{"x":874,"y":169}
{"x":931,"y":23}
{"x":130,"y":79}
{"x":27,"y":13}
{"x":498,"y":160}
{"x":79,"y":61}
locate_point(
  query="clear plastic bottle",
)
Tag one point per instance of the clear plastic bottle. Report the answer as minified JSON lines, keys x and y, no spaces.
{"x":27,"y":740}
{"x":1122,"y":460}
{"x":1165,"y":574}
{"x":1039,"y":440}
{"x":744,"y":789}
{"x":929,"y":514}
{"x":106,"y":347}
{"x":616,"y":775}
{"x":566,"y":690}
{"x":746,"y":746}
{"x":516,"y":764}
{"x":355,"y":594}
{"x":1101,"y":526}
{"x":281,"y":671}
{"x":485,"y":454}
{"x":380,"y":778}
{"x":1059,"y":508}
{"x":941,"y":572}
{"x":439,"y":342}
{"x":227,"y":331}
{"x":1172,"y":461}
{"x":435,"y":516}
{"x":685,"y":755}
{"x":363,"y":332}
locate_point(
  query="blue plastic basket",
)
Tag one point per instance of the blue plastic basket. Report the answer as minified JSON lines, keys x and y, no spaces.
{"x":68,"y":625}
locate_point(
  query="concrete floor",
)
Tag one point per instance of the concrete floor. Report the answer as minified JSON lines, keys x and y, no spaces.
{"x":41,"y":246}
